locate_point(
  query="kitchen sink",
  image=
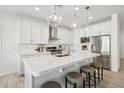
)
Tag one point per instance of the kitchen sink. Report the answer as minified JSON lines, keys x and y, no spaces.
{"x":61,"y":55}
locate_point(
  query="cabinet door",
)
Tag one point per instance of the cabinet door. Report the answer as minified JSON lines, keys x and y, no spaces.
{"x":95,"y":30}
{"x":86,"y":33}
{"x":35,"y":33}
{"x":65,"y":36}
{"x":70,"y":37}
{"x":25,"y":31}
{"x":60,"y":36}
{"x":9,"y":45}
{"x":44,"y":34}
{"x":105,"y":28}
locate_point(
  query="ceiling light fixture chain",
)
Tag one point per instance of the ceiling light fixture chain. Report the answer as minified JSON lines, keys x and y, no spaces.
{"x":54,"y":9}
{"x":87,"y":10}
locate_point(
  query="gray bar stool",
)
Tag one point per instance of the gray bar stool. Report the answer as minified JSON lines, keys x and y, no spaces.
{"x":51,"y":84}
{"x":90,"y":72}
{"x":98,"y":65}
{"x":74,"y":78}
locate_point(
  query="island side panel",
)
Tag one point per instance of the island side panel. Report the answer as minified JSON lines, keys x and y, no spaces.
{"x":29,"y":79}
{"x":57,"y":75}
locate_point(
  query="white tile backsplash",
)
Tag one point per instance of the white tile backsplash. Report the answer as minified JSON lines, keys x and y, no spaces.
{"x":27,"y":48}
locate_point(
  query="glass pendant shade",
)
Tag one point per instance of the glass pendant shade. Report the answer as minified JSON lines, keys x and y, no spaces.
{"x":54,"y":20}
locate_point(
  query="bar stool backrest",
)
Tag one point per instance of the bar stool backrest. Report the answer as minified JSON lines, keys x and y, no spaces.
{"x":98,"y":60}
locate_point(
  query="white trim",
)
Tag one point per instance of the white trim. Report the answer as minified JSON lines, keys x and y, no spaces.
{"x":1,"y":39}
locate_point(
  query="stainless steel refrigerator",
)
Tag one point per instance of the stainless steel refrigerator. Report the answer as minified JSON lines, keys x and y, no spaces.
{"x":101,"y":44}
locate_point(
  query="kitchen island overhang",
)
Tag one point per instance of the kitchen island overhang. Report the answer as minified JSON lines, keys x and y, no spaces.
{"x":41,"y":69}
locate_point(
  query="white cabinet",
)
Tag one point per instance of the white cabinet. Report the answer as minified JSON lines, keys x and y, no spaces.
{"x":25,"y":31}
{"x":65,"y":36}
{"x":70,"y":37}
{"x":95,"y":30}
{"x":35,"y":33}
{"x":105,"y":27}
{"x":44,"y":33}
{"x":60,"y":35}
{"x":100,"y":29}
{"x":9,"y":44}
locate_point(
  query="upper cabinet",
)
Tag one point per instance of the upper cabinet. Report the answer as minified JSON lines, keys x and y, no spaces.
{"x":65,"y":36}
{"x":61,"y":35}
{"x":33,"y":32}
{"x":94,"y":30}
{"x":25,"y":31}
{"x":100,"y":29}
{"x":105,"y":27}
{"x":44,"y":33}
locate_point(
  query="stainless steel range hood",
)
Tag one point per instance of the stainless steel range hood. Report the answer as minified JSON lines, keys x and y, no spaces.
{"x":53,"y":33}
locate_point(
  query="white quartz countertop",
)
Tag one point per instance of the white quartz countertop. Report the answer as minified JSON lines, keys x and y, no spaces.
{"x":50,"y":62}
{"x":33,"y":53}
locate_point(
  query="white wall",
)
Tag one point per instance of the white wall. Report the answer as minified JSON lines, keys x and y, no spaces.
{"x":122,"y":43}
{"x":0,"y":41}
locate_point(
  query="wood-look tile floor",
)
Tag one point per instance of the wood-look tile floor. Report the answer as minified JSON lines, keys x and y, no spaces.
{"x":111,"y":79}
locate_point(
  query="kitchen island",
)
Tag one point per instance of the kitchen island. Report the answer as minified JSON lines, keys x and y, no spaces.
{"x":44,"y":68}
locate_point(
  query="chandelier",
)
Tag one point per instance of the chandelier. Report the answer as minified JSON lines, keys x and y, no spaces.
{"x":53,"y":19}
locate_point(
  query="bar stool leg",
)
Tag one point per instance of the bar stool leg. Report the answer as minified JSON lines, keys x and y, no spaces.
{"x":75,"y":85}
{"x":102,"y":73}
{"x":86,"y":77}
{"x":80,"y":71}
{"x":84,"y":83}
{"x":94,"y":78}
{"x":89,"y":79}
{"x":66,"y":82}
{"x":98,"y":75}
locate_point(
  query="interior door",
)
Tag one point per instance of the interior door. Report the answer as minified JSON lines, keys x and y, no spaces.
{"x":9,"y":45}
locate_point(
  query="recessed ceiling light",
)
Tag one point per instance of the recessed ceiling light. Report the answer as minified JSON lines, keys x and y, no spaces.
{"x":90,"y":17}
{"x":37,"y":8}
{"x":76,"y":8}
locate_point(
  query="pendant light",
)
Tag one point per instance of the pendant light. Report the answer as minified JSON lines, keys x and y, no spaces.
{"x":74,"y":21}
{"x":75,"y":16}
{"x":87,"y":19}
{"x":53,"y":19}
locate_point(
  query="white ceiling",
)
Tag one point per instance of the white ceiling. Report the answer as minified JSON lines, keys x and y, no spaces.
{"x":98,"y":12}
